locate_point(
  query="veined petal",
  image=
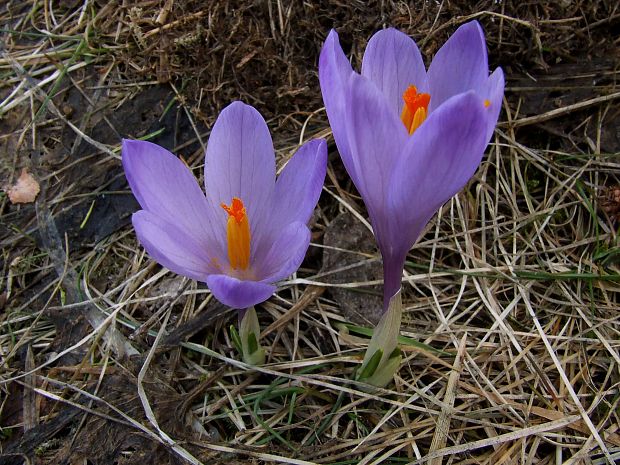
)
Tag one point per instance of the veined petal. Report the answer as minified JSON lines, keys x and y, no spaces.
{"x":299,"y":185}
{"x":240,"y":162}
{"x":334,"y":72}
{"x":165,"y":186}
{"x":393,"y":62}
{"x":493,"y":91}
{"x":461,"y":64}
{"x":171,"y":247}
{"x":285,"y":254}
{"x":236,"y":293}
{"x":296,"y":194}
{"x":376,"y":136}
{"x":440,"y":157}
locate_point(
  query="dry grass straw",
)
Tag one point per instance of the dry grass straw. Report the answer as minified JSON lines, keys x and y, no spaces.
{"x":511,"y":330}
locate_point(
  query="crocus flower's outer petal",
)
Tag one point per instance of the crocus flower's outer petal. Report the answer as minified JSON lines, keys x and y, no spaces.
{"x":238,"y":294}
{"x":171,"y":247}
{"x":299,"y":185}
{"x":460,"y":65}
{"x":441,"y":156}
{"x":493,"y":91}
{"x":166,"y":187}
{"x":376,"y":137}
{"x":285,"y":254}
{"x":240,"y":162}
{"x":334,"y":72}
{"x":438,"y":160}
{"x":393,"y":62}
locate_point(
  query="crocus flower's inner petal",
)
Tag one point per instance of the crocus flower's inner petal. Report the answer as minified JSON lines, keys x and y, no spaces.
{"x":171,"y":247}
{"x":285,"y":254}
{"x":439,"y":159}
{"x":493,"y":92}
{"x":377,"y":136}
{"x":236,"y":293}
{"x":299,"y":185}
{"x":165,"y":186}
{"x":334,"y":72}
{"x":393,"y":62}
{"x":460,"y":65}
{"x":240,"y":163}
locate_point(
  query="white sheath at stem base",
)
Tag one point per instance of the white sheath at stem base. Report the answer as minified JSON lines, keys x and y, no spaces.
{"x":249,"y":332}
{"x":383,"y":356}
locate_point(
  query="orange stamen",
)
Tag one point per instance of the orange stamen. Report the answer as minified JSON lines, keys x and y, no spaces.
{"x":487,"y":103}
{"x":237,"y":235}
{"x":415,"y":108}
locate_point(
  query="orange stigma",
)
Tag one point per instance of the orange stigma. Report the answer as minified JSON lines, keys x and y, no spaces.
{"x":238,"y":235}
{"x":487,"y":103}
{"x":415,"y":108}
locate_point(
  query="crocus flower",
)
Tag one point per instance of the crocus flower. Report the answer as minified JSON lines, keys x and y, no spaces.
{"x":249,"y":231}
{"x":410,"y":138}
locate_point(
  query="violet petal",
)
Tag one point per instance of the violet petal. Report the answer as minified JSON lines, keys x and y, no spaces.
{"x":393,"y":62}
{"x":299,"y":185}
{"x":460,"y":65}
{"x":171,"y":247}
{"x":376,"y":137}
{"x":240,"y":162}
{"x":493,"y":91}
{"x":285,"y":254}
{"x":334,"y":72}
{"x":166,"y":187}
{"x":238,"y":294}
{"x":439,"y":159}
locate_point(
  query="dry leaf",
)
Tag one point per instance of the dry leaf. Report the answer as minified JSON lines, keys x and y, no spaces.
{"x":25,"y":190}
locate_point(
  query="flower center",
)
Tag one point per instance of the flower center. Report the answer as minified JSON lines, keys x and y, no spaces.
{"x":238,"y":235}
{"x":414,"y":109}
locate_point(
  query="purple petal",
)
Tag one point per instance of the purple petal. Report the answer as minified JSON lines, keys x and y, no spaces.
{"x":299,"y":185}
{"x":377,"y":137}
{"x":240,"y":162}
{"x":440,"y":157}
{"x":165,"y":186}
{"x":334,"y":72}
{"x":493,"y":91}
{"x":238,"y":294}
{"x":460,"y":65}
{"x":393,"y":62}
{"x":171,"y":247}
{"x":285,"y":254}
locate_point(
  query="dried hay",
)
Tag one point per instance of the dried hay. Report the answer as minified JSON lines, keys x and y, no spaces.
{"x":511,"y":328}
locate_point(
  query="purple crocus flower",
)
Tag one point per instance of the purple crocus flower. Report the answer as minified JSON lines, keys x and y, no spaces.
{"x":410,"y":138}
{"x":249,"y":231}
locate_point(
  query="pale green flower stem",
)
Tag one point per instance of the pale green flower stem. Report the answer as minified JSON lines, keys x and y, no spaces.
{"x":383,"y":356}
{"x":249,"y":332}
